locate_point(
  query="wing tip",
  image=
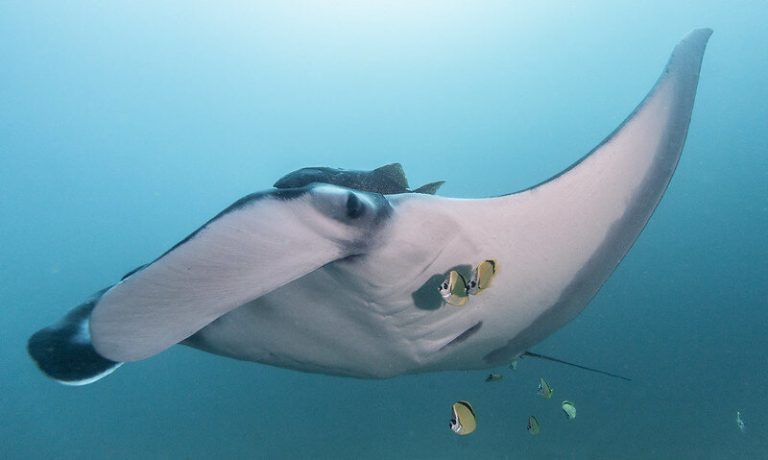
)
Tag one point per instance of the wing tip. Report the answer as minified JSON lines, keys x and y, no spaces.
{"x":689,"y":53}
{"x":64,"y":351}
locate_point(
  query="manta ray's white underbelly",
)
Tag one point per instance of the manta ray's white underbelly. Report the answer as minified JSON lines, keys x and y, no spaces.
{"x":338,"y":321}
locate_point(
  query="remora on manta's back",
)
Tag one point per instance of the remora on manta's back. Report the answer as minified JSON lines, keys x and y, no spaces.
{"x":339,"y":272}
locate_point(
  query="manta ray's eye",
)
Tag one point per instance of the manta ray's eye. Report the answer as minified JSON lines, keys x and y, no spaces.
{"x":350,"y":207}
{"x":355,"y":207}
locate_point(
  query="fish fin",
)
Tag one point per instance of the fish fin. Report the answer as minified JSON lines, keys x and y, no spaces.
{"x":598,"y":371}
{"x":393,"y":172}
{"x":431,"y":188}
{"x":64,"y":351}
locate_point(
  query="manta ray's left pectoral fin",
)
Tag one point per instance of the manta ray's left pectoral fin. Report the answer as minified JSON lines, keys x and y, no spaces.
{"x":255,"y":246}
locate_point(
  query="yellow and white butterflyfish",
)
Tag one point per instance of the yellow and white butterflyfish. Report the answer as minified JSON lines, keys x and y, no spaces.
{"x":570,"y":409}
{"x":454,"y":289}
{"x":463,"y":420}
{"x":533,"y":425}
{"x":493,"y":377}
{"x":544,"y":389}
{"x":482,"y":275}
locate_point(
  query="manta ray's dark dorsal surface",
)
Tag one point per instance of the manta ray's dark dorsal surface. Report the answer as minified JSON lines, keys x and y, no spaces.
{"x":387,"y":180}
{"x":330,"y":273}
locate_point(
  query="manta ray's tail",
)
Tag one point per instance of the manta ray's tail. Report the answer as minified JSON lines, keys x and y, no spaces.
{"x":64,"y":351}
{"x":590,"y":369}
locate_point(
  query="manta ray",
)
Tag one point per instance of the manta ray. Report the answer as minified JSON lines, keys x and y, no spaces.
{"x":351,"y":273}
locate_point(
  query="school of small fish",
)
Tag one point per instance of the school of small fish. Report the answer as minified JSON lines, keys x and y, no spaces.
{"x":455,"y":290}
{"x":464,"y":419}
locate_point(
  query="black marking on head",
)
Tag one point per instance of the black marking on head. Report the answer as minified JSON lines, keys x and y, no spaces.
{"x":428,"y":297}
{"x":64,"y":351}
{"x":464,"y":335}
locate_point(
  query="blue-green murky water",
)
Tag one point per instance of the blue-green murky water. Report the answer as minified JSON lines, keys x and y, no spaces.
{"x":125,"y":126}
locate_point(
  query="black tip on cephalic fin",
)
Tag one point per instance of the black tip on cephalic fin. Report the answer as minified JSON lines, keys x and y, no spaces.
{"x":590,"y":369}
{"x":431,"y":188}
{"x":64,"y":351}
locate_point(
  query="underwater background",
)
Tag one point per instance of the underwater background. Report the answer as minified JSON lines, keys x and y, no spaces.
{"x":126,"y":125}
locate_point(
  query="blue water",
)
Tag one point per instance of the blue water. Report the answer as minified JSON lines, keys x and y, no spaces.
{"x":123,"y":127}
